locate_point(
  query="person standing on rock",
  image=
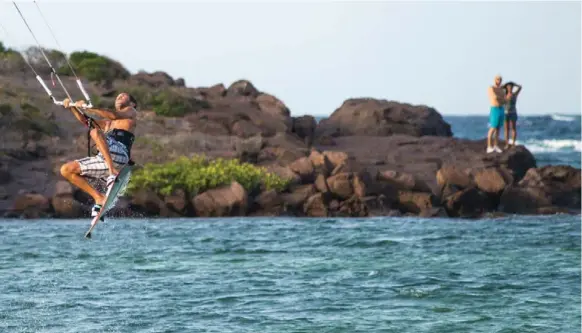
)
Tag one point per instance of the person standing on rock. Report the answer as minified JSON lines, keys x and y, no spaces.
{"x":510,"y":112}
{"x":113,"y":138}
{"x":496,"y":95}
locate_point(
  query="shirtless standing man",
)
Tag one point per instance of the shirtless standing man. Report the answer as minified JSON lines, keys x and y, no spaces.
{"x":496,"y":114}
{"x":113,"y":139}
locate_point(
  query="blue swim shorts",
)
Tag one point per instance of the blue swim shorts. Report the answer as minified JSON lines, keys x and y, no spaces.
{"x":511,"y":116}
{"x":496,"y":115}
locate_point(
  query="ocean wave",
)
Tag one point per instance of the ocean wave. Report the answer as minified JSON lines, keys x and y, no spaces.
{"x":550,"y":146}
{"x":558,"y":117}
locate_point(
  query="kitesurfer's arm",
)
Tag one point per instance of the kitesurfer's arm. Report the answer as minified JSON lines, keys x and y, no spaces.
{"x":80,"y":117}
{"x":76,"y":113}
{"x":112,"y":114}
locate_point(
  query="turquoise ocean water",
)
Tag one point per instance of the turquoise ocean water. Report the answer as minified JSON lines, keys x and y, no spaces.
{"x":514,"y":274}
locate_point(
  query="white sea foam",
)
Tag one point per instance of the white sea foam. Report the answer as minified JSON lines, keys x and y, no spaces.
{"x":550,"y":146}
{"x":558,"y":117}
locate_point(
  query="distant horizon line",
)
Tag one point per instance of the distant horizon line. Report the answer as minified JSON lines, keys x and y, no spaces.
{"x":484,"y":114}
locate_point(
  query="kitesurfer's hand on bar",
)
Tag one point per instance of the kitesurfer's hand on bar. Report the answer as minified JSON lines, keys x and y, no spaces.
{"x":80,"y":103}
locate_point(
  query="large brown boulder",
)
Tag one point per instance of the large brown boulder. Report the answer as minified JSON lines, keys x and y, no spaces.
{"x":403,"y":181}
{"x":65,"y":206}
{"x":153,"y":80}
{"x":304,"y":168}
{"x":544,"y":190}
{"x":32,"y":205}
{"x":316,"y":206}
{"x":267,"y":203}
{"x":467,"y":203}
{"x":374,"y":117}
{"x":242,"y":88}
{"x":294,"y":200}
{"x":304,"y":127}
{"x":229,"y":200}
{"x":272,"y":105}
{"x":148,"y":203}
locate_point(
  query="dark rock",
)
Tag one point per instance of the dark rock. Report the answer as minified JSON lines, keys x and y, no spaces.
{"x":152,"y":80}
{"x":373,"y":117}
{"x":297,"y":197}
{"x":433,"y":212}
{"x":321,"y":183}
{"x":352,"y":207}
{"x":242,"y":88}
{"x":216,"y":91}
{"x":403,"y":181}
{"x":304,"y":169}
{"x":248,"y":150}
{"x":65,"y":206}
{"x":340,"y":185}
{"x":267,"y":203}
{"x":316,"y":206}
{"x":230,"y":200}
{"x":467,"y":203}
{"x":549,"y":186}
{"x":5,"y":177}
{"x":32,"y":205}
{"x":304,"y":127}
{"x":179,"y":202}
{"x":416,"y":202}
{"x":148,"y":203}
{"x":321,"y":163}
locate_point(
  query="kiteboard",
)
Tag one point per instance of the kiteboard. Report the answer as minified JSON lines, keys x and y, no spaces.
{"x":119,"y":185}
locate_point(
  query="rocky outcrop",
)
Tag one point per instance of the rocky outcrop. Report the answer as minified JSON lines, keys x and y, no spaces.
{"x":155,"y":80}
{"x":546,"y":190}
{"x":373,"y":117}
{"x":369,"y":158}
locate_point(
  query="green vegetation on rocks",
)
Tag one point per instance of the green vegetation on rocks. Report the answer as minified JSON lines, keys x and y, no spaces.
{"x":11,"y":61}
{"x":164,"y":102}
{"x":32,"y":118}
{"x":95,"y":67}
{"x":198,"y":174}
{"x":5,"y":109}
{"x":99,"y":69}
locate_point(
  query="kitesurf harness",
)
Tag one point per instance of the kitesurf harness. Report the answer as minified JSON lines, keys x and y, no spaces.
{"x":122,"y":136}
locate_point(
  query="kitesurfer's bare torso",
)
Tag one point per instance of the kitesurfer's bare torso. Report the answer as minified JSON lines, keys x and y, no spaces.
{"x":128,"y":124}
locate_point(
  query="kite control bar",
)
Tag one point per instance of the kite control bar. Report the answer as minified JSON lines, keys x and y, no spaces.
{"x":53,"y":72}
{"x":48,"y":91}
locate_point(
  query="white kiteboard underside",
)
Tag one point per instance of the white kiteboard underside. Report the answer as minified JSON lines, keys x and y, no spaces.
{"x":118,"y":188}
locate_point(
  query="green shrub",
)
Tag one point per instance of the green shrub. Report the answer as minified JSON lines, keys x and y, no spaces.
{"x":11,"y":61}
{"x":32,"y":118}
{"x":170,"y":104}
{"x":5,"y":50}
{"x":95,"y":67}
{"x":36,"y":59}
{"x":143,"y":95}
{"x":198,"y":174}
{"x":5,"y":109}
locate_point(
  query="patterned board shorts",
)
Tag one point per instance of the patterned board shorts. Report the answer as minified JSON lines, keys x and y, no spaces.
{"x":95,"y":166}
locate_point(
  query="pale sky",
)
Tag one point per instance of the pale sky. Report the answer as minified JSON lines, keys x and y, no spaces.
{"x":314,"y":55}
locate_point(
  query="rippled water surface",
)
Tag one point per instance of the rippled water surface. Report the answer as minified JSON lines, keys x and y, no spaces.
{"x":519,"y":274}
